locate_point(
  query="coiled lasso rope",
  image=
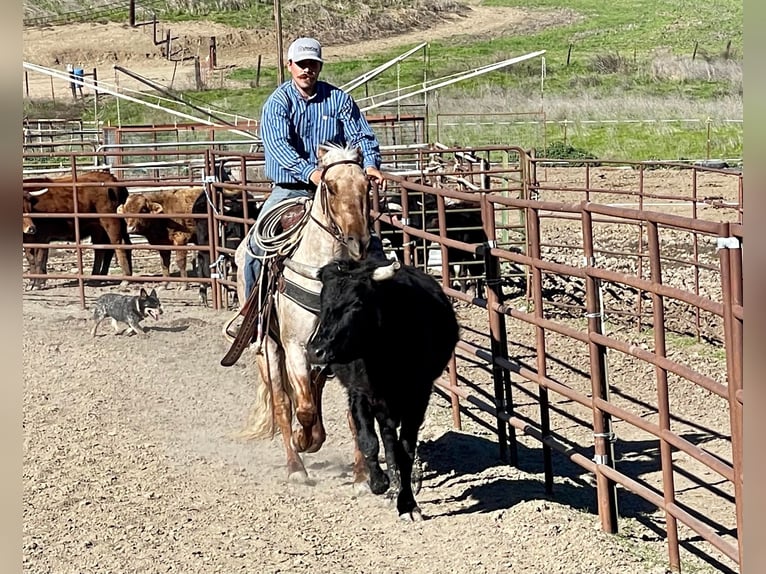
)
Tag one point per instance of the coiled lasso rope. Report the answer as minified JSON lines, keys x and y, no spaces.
{"x":266,"y":233}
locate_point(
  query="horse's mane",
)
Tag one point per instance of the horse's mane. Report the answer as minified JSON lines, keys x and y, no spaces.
{"x":336,"y":152}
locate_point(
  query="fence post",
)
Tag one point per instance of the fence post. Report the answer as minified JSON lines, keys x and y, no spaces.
{"x":95,"y":84}
{"x":213,"y":56}
{"x":498,"y":337}
{"x":212,"y":224}
{"x":533,"y":232}
{"x":730,"y":255}
{"x":663,"y":400}
{"x":197,"y":73}
{"x":603,"y":436}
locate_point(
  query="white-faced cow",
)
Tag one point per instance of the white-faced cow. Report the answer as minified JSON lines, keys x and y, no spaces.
{"x":160,"y":231}
{"x":387,"y":332}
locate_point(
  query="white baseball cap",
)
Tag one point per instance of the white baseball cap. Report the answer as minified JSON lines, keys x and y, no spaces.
{"x":305,"y":49}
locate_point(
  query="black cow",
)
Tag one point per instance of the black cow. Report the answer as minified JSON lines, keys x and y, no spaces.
{"x":360,"y":330}
{"x":462,"y":223}
{"x":233,"y":232}
{"x":467,"y":227}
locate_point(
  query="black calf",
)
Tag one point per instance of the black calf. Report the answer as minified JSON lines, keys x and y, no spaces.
{"x":388,"y":368}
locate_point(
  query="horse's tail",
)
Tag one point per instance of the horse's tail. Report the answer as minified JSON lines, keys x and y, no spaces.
{"x":260,"y":421}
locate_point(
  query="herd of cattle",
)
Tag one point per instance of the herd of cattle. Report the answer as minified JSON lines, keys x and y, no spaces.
{"x":100,"y":195}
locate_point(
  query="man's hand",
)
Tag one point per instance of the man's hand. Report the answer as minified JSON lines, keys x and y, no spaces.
{"x":316,"y":177}
{"x":373,"y":173}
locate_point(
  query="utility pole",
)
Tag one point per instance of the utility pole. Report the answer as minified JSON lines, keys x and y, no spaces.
{"x":278,"y":27}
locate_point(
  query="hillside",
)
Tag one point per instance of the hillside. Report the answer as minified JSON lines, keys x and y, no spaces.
{"x":84,"y":43}
{"x":660,"y":60}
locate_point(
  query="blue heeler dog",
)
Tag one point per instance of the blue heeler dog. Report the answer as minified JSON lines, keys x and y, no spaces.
{"x":127,"y":309}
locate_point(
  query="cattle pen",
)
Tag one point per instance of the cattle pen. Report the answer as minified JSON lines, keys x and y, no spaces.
{"x":607,"y":304}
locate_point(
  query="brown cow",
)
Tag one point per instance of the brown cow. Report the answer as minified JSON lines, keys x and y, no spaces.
{"x":29,"y":198}
{"x":102,"y":194}
{"x":158,"y":231}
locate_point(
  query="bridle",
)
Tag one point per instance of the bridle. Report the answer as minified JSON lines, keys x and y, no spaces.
{"x":333,"y":229}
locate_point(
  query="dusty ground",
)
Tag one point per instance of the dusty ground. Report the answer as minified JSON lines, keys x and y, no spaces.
{"x":131,"y":465}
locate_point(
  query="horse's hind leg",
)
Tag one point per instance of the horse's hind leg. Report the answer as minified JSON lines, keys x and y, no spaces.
{"x":270,"y":361}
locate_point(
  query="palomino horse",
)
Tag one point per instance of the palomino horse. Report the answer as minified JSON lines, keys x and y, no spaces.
{"x":338,"y":226}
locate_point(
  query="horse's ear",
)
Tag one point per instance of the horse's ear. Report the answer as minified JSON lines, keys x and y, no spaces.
{"x":359,"y":155}
{"x":321,"y":150}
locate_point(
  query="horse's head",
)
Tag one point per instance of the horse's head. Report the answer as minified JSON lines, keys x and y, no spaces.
{"x":344,"y":197}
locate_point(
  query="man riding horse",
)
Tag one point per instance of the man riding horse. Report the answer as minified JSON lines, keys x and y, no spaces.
{"x":299,"y":116}
{"x":320,"y":151}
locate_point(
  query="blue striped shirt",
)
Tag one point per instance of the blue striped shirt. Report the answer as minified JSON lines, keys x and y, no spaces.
{"x":292,"y":128}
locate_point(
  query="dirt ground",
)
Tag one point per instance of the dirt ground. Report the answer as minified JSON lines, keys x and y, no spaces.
{"x":131,"y":465}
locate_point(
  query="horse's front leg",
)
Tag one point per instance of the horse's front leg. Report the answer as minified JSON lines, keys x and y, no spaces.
{"x":311,"y":434}
{"x":270,"y":364}
{"x":318,"y":434}
{"x":361,"y":475}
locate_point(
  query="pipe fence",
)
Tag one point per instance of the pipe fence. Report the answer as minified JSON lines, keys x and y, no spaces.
{"x":609,"y":302}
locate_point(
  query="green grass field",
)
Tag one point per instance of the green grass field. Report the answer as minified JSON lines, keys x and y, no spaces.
{"x":652,"y":79}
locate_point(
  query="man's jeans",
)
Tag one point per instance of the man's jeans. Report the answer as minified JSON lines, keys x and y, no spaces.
{"x":253,"y":264}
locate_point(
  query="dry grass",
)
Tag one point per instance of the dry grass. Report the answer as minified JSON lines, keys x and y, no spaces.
{"x":684,"y":68}
{"x":592,"y":106}
{"x":343,"y":22}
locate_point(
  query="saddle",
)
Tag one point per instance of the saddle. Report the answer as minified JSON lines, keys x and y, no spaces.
{"x":259,"y":302}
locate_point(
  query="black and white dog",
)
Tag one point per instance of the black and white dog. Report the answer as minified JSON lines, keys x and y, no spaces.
{"x":127,"y":309}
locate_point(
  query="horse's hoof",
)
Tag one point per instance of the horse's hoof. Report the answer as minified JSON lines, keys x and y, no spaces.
{"x":298,"y":477}
{"x":362,"y":488}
